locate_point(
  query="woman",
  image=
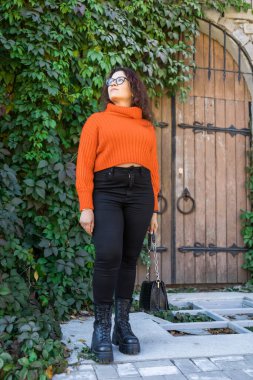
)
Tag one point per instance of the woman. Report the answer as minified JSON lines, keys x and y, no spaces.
{"x":117,"y":182}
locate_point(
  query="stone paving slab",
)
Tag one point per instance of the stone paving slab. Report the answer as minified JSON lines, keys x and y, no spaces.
{"x":237,"y":375}
{"x":152,"y":343}
{"x":249,"y":372}
{"x":127,"y":369}
{"x":162,"y":355}
{"x":179,"y":369}
{"x":205,"y":364}
{"x":231,"y":363}
{"x":217,"y":375}
{"x":157,"y":343}
{"x":186,"y":366}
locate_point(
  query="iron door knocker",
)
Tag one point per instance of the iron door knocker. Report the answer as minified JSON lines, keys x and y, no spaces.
{"x":186,"y":196}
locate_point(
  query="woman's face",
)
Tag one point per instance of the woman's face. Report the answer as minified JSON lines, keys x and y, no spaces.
{"x":120,"y":93}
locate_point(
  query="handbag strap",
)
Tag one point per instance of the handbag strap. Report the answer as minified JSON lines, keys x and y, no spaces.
{"x":152,"y":247}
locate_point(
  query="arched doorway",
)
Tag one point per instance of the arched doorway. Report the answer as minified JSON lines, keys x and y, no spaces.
{"x":203,"y":155}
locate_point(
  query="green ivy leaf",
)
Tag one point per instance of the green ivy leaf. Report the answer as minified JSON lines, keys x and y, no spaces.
{"x":4,"y":290}
{"x":24,"y":361}
{"x":41,"y":192}
{"x":41,"y":184}
{"x":29,"y":182}
{"x":42,"y":164}
{"x":48,"y":252}
{"x":5,"y":356}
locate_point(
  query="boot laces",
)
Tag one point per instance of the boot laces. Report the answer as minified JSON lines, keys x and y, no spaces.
{"x":124,"y":324}
{"x":124,"y":318}
{"x":104,"y":324}
{"x":105,"y":331}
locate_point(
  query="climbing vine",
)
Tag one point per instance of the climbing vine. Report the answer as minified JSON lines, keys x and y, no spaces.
{"x":55,"y":56}
{"x":247,"y":221}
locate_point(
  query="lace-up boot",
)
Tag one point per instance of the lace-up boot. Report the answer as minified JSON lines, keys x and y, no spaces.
{"x":101,"y":344}
{"x":122,"y":333}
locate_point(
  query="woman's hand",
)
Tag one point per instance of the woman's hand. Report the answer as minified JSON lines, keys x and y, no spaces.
{"x":87,"y":220}
{"x":153,"y":224}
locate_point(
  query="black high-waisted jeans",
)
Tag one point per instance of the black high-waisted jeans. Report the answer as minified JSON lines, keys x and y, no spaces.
{"x":123,"y":206}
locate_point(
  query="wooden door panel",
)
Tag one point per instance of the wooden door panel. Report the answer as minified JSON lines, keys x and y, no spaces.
{"x":200,"y":190}
{"x":189,"y":164}
{"x":213,"y":170}
{"x":210,"y":194}
{"x":219,"y":83}
{"x":221,"y":191}
{"x":231,"y":214}
{"x":165,"y":163}
{"x":179,"y":183}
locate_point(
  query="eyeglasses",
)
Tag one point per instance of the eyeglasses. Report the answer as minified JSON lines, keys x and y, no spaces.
{"x":118,"y":81}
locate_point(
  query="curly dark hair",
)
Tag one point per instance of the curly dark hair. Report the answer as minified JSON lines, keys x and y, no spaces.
{"x":140,"y":96}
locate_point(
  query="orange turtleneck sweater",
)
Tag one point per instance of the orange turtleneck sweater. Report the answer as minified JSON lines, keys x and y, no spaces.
{"x":112,"y":137}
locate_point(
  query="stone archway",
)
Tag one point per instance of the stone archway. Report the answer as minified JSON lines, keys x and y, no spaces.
{"x":239,"y":27}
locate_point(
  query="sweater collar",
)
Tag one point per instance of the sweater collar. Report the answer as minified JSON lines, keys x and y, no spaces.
{"x":132,"y":112}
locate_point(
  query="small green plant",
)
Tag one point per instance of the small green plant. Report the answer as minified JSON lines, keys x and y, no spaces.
{"x":174,"y":317}
{"x":87,"y":354}
{"x":247,"y":288}
{"x":178,"y":317}
{"x":30,"y":346}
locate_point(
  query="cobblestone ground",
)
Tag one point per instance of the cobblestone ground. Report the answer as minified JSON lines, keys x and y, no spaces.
{"x":214,"y":368}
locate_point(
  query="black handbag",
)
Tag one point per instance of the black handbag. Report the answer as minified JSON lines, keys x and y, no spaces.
{"x":153,"y":296}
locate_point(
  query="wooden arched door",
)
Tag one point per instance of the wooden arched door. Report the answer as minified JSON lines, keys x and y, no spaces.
{"x":203,"y":155}
{"x":212,"y":137}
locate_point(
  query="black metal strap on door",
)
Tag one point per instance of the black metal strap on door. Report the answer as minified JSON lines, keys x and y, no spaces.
{"x":200,"y":249}
{"x":224,"y":54}
{"x":162,"y":124}
{"x":210,"y":128}
{"x":209,"y":51}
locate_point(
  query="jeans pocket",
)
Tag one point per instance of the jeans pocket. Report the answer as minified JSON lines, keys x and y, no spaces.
{"x":101,"y":175}
{"x":143,"y":179}
{"x":146,"y":175}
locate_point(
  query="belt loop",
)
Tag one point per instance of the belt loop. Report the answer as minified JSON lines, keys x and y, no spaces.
{"x":112,"y":169}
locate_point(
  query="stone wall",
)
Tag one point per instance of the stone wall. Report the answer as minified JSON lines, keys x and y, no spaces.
{"x":238,"y":24}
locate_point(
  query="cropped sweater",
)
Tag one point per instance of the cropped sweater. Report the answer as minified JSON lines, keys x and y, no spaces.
{"x":112,"y":137}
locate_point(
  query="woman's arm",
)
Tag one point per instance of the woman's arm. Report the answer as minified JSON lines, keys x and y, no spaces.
{"x":85,"y":163}
{"x":155,"y":171}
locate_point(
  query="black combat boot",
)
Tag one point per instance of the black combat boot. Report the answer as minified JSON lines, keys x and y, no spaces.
{"x":101,"y":344}
{"x":122,"y":333}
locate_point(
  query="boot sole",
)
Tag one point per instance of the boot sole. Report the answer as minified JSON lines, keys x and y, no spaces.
{"x":103,"y":357}
{"x":128,"y":349}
